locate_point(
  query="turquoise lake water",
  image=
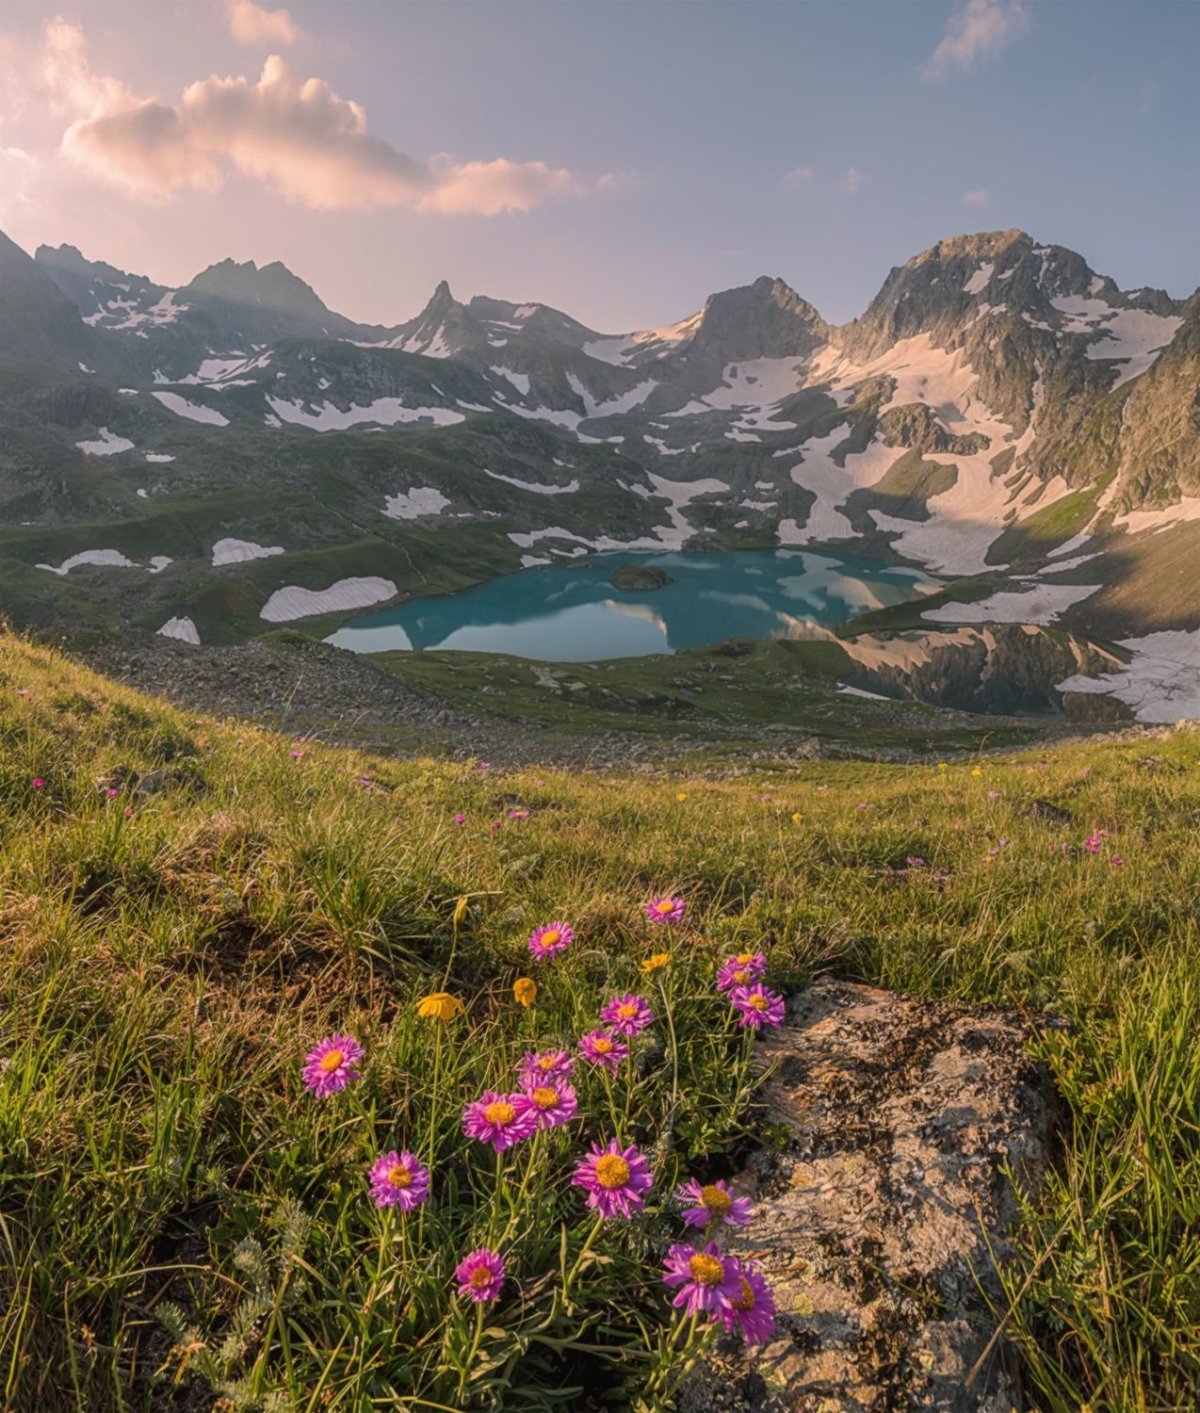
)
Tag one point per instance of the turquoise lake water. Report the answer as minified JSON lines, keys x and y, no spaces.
{"x":570,"y":612}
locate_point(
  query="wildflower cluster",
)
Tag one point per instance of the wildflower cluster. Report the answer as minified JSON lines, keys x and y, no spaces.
{"x":614,"y":1177}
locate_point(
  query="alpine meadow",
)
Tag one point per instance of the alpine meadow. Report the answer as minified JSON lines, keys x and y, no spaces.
{"x":615,"y":861}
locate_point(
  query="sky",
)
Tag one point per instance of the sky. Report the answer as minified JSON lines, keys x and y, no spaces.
{"x":618,"y":159}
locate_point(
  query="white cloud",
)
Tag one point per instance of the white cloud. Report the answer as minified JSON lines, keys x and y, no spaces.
{"x":980,"y":30}
{"x":852,"y":181}
{"x":252,"y":24}
{"x":294,"y":135}
{"x":979,"y":197}
{"x":796,"y":178}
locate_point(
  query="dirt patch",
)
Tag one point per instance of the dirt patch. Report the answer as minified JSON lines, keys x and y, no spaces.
{"x":879,"y":1225}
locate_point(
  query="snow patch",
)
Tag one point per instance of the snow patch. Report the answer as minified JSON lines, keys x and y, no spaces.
{"x":113,"y":558}
{"x":231,"y":551}
{"x":182,"y":629}
{"x":107,"y":444}
{"x":533,"y":485}
{"x":384,"y":411}
{"x":412,"y":504}
{"x":294,"y":602}
{"x":193,"y":411}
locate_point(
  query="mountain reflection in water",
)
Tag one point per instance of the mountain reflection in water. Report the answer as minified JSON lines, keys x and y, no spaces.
{"x":571,"y":612}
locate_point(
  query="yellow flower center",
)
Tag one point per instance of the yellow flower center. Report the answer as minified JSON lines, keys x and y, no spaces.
{"x":708,"y":1270}
{"x":744,"y":959}
{"x":627,"y":1011}
{"x":741,"y":977}
{"x":331,"y":1061}
{"x":715,"y":1200}
{"x":744,"y":1299}
{"x":612,"y":1171}
{"x":545,"y":1098}
{"x":501,"y":1112}
{"x":759,"y":1002}
{"x":548,"y":939}
{"x":481,"y":1278}
{"x":603,"y":1046}
{"x":399,"y":1175}
{"x":664,"y":905}
{"x":545,"y":1063}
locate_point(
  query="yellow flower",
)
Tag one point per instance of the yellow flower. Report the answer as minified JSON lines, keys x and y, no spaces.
{"x":797,"y":818}
{"x":681,"y":796}
{"x":525,"y":990}
{"x":655,"y":963}
{"x":460,"y":910}
{"x":439,"y":1005}
{"x":977,"y":771}
{"x":942,"y":765}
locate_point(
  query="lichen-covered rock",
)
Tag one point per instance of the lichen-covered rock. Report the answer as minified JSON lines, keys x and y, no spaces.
{"x":879,"y":1224}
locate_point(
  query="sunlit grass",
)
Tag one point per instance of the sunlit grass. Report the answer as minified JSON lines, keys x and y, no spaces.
{"x":174,"y":1205}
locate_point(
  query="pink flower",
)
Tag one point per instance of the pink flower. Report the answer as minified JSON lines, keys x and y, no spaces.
{"x":703,"y":1279}
{"x":740,"y":970}
{"x":480,"y":1274}
{"x":601,"y":1047}
{"x":993,"y":794}
{"x":545,"y":1066}
{"x":460,"y":819}
{"x":498,"y":1119}
{"x":752,"y":1309}
{"x":712,"y":1203}
{"x":551,"y":1104}
{"x":757,"y":1006}
{"x":330,"y":1067}
{"x":615,"y":1179}
{"x":295,"y":755}
{"x":1093,"y":843}
{"x":550,"y":939}
{"x":627,"y":1015}
{"x":399,"y":1180}
{"x":518,"y":814}
{"x":665,"y":909}
{"x":1116,"y":861}
{"x":37,"y":782}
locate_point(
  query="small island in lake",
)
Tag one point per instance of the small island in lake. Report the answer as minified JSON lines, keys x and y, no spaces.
{"x":640,"y":576}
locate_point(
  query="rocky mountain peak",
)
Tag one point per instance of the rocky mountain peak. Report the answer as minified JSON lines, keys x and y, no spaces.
{"x":272,"y":287}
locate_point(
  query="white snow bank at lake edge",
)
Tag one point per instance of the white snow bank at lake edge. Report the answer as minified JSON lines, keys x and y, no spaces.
{"x":294,"y":602}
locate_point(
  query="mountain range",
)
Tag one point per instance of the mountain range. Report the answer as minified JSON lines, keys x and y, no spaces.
{"x":213,"y":459}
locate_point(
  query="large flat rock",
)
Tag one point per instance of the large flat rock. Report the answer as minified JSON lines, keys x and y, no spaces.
{"x":879,"y":1222}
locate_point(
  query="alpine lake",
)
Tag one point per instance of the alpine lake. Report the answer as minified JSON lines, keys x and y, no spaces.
{"x":572,"y":611}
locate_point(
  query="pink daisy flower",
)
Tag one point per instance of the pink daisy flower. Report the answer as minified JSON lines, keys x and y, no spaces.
{"x":740,"y":970}
{"x":480,"y":1274}
{"x":544,"y":1067}
{"x":37,"y":782}
{"x":550,"y":939}
{"x":330,"y":1067}
{"x":703,"y":1279}
{"x":399,"y":1180}
{"x":665,"y":909}
{"x":757,"y":1006}
{"x":615,"y":1179}
{"x":551,"y":1103}
{"x":627,"y":1015}
{"x":601,"y":1047}
{"x":460,"y":819}
{"x":712,"y":1203}
{"x":752,"y":1311}
{"x":498,"y":1119}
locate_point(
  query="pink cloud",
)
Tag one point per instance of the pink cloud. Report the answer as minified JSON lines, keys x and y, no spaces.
{"x":252,"y":24}
{"x":294,"y":135}
{"x":980,"y":30}
{"x":796,"y":178}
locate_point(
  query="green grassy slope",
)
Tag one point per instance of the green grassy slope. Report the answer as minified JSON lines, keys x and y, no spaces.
{"x":179,"y":1218}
